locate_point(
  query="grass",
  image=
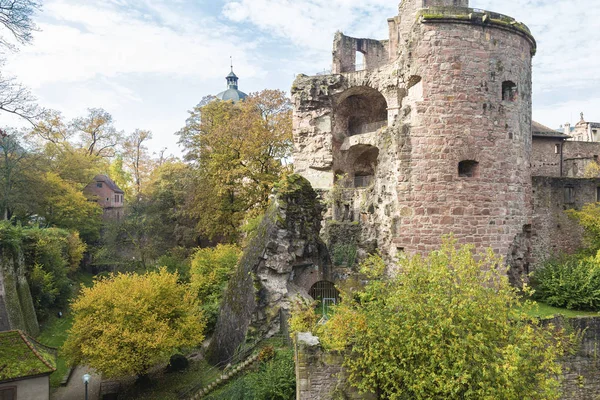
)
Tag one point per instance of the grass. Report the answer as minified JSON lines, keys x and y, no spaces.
{"x":545,"y":311}
{"x":54,"y":332}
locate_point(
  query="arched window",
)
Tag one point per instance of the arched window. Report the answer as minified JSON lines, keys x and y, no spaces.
{"x":468,"y":169}
{"x":360,"y":110}
{"x":509,"y":91}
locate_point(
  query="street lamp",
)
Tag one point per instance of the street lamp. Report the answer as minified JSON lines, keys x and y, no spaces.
{"x":86,"y":379}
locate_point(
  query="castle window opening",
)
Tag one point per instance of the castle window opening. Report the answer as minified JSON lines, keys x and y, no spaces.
{"x":509,"y":91}
{"x":362,"y":180}
{"x":99,"y":184}
{"x":364,"y":165}
{"x":360,"y":110}
{"x":557,"y":149}
{"x":468,"y":169}
{"x":359,"y":61}
{"x":598,"y":194}
{"x":569,"y":194}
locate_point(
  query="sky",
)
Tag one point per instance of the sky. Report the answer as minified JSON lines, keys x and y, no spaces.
{"x":148,"y":62}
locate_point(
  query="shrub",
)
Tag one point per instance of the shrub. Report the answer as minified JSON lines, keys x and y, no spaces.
{"x":275,"y":379}
{"x":570,"y":282}
{"x":448,"y":326}
{"x":210,"y":270}
{"x":303,"y":317}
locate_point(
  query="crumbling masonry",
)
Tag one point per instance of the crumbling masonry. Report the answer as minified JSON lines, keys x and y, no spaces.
{"x":431,"y":135}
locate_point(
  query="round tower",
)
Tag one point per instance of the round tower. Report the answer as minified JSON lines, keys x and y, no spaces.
{"x":467,"y":76}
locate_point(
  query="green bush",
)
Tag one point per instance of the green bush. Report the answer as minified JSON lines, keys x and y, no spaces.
{"x":570,"y":282}
{"x":275,"y":379}
{"x":50,"y":254}
{"x":210,"y":270}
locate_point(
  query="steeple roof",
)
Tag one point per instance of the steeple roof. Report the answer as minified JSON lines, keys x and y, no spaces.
{"x":232,"y":93}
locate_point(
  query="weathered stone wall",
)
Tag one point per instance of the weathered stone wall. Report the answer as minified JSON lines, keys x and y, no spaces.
{"x":462,"y":68}
{"x":545,"y":160}
{"x":284,"y":258}
{"x":578,"y":155}
{"x":553,"y":232}
{"x":16,"y":303}
{"x":375,"y":53}
{"x":581,"y":371}
{"x":319,"y":374}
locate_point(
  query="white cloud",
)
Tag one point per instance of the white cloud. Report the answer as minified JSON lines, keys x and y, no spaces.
{"x":80,"y":41}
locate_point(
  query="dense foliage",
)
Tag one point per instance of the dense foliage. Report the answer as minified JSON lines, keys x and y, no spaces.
{"x":570,"y":282}
{"x":449,"y":326}
{"x":210,"y":270}
{"x":127,"y":323}
{"x":275,"y":379}
{"x":51,"y":255}
{"x":239,"y":150}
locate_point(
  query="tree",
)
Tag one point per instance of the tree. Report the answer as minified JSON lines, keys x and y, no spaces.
{"x":137,"y":158}
{"x":63,"y":205}
{"x":15,"y":164}
{"x":449,"y":326}
{"x":15,"y":20}
{"x":126,"y":324}
{"x":17,"y":99}
{"x":97,"y":133}
{"x":15,"y":17}
{"x":239,"y":151}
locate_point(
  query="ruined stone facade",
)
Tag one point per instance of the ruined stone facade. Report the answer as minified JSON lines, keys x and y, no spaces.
{"x":433,"y":136}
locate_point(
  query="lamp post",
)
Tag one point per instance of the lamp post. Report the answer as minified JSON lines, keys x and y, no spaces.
{"x":86,"y":379}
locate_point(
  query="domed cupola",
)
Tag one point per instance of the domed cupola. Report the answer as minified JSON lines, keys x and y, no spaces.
{"x":232,"y":93}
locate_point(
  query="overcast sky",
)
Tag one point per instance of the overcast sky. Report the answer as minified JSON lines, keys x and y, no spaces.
{"x":149,"y":61}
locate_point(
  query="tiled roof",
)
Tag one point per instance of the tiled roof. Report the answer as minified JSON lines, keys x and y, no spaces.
{"x":21,"y":357}
{"x":540,"y":130}
{"x":109,"y":182}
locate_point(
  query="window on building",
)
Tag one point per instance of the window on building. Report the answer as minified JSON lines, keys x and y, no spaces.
{"x":509,"y":91}
{"x":468,"y":169}
{"x":598,"y":194}
{"x":557,"y":149}
{"x":99,"y":184}
{"x":116,"y":198}
{"x":569,"y":194}
{"x":8,"y":393}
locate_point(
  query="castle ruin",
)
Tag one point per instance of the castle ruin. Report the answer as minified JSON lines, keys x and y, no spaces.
{"x":430,"y":132}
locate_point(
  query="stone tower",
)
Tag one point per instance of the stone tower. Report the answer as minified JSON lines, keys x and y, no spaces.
{"x":429,"y":135}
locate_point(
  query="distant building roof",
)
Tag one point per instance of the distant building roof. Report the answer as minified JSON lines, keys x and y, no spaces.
{"x":539,"y":130}
{"x":109,"y":182}
{"x":22,"y":357}
{"x":232,"y":93}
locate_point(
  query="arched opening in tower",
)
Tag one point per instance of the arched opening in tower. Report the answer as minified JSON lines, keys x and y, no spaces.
{"x":359,"y":110}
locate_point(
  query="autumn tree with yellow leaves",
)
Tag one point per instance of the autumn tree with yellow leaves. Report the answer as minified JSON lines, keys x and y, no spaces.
{"x":126,"y":324}
{"x":239,"y":151}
